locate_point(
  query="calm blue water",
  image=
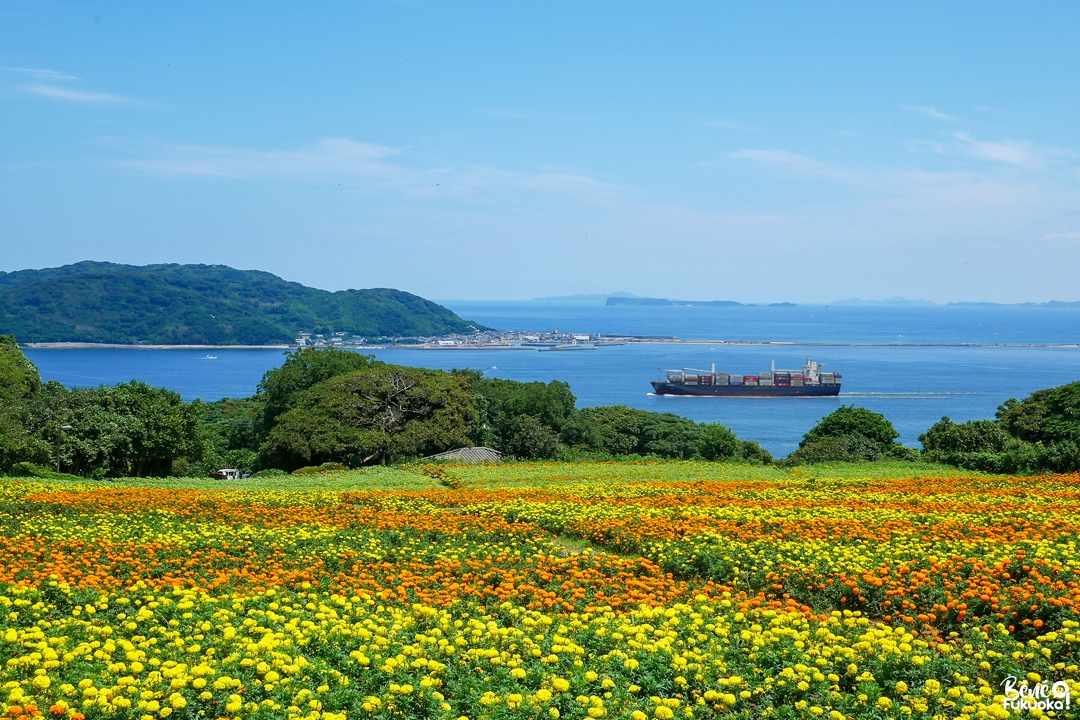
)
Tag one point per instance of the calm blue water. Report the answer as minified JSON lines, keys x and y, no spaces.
{"x":809,"y":323}
{"x":912,"y":386}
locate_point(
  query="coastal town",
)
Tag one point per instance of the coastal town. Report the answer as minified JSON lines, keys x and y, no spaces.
{"x":485,"y":339}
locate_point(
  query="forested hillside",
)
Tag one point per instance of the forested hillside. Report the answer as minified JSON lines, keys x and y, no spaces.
{"x":201,"y":304}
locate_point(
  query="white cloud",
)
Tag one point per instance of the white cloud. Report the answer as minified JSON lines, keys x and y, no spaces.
{"x":801,"y":164}
{"x":1061,"y":236}
{"x":62,"y":93}
{"x":930,"y":112}
{"x":1010,"y":152}
{"x":45,"y":84}
{"x":329,"y":158}
{"x":925,"y":146}
{"x":343,"y":160}
{"x":41,"y":74}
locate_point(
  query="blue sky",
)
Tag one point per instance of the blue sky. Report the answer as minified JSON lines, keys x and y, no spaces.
{"x":802,"y":152}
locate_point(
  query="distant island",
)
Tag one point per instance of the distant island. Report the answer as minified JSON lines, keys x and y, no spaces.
{"x":661,"y":302}
{"x":98,"y":302}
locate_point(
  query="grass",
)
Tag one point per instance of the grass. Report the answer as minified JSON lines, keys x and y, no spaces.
{"x":525,"y":474}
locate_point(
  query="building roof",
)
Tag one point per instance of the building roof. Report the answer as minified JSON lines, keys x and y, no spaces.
{"x":469,"y":454}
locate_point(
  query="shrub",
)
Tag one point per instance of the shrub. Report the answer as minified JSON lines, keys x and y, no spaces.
{"x":270,"y":473}
{"x":324,"y":469}
{"x":852,"y":448}
{"x":977,"y":436}
{"x":719,"y":442}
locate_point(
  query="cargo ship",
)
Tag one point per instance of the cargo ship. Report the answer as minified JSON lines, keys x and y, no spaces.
{"x":810,"y":381}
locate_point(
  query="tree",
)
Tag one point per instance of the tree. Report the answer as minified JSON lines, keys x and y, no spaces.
{"x":19,"y":383}
{"x":617,"y":428}
{"x":228,"y":428}
{"x":19,"y":377}
{"x":945,"y":436}
{"x":849,"y":421}
{"x":667,"y":435}
{"x":719,"y":442}
{"x":504,"y":402}
{"x":130,"y":429}
{"x":302,"y":370}
{"x":376,"y":415}
{"x":528,"y":438}
{"x":1046,"y":416}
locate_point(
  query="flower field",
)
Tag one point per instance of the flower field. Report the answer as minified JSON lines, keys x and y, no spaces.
{"x":640,"y":590}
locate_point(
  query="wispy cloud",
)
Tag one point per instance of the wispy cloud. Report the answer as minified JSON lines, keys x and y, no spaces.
{"x":62,"y":93}
{"x":925,"y":146}
{"x":1073,"y":236}
{"x":40,"y":74}
{"x":930,"y":112}
{"x":801,"y":164}
{"x":331,"y":157}
{"x":1010,"y":152}
{"x":48,"y":84}
{"x":343,"y":160}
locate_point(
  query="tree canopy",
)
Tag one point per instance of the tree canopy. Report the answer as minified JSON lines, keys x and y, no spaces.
{"x":1046,"y":416}
{"x":302,"y":370}
{"x":376,"y":415}
{"x":849,"y":420}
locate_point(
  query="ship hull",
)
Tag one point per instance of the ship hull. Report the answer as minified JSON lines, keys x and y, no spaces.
{"x":663,"y":388}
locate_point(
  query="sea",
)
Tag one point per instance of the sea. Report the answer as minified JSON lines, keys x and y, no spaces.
{"x":912,"y":364}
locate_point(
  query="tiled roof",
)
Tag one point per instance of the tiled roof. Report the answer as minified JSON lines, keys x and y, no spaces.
{"x":469,"y":454}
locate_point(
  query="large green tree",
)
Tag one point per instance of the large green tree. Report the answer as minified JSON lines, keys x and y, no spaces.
{"x":130,"y":429}
{"x":302,"y":370}
{"x":19,"y":384}
{"x":1046,"y":416}
{"x":850,"y":434}
{"x":506,"y":403}
{"x":1040,"y":433}
{"x":849,"y":420}
{"x":376,"y":415}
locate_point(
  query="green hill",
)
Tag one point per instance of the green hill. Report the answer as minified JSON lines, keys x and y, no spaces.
{"x":201,"y":304}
